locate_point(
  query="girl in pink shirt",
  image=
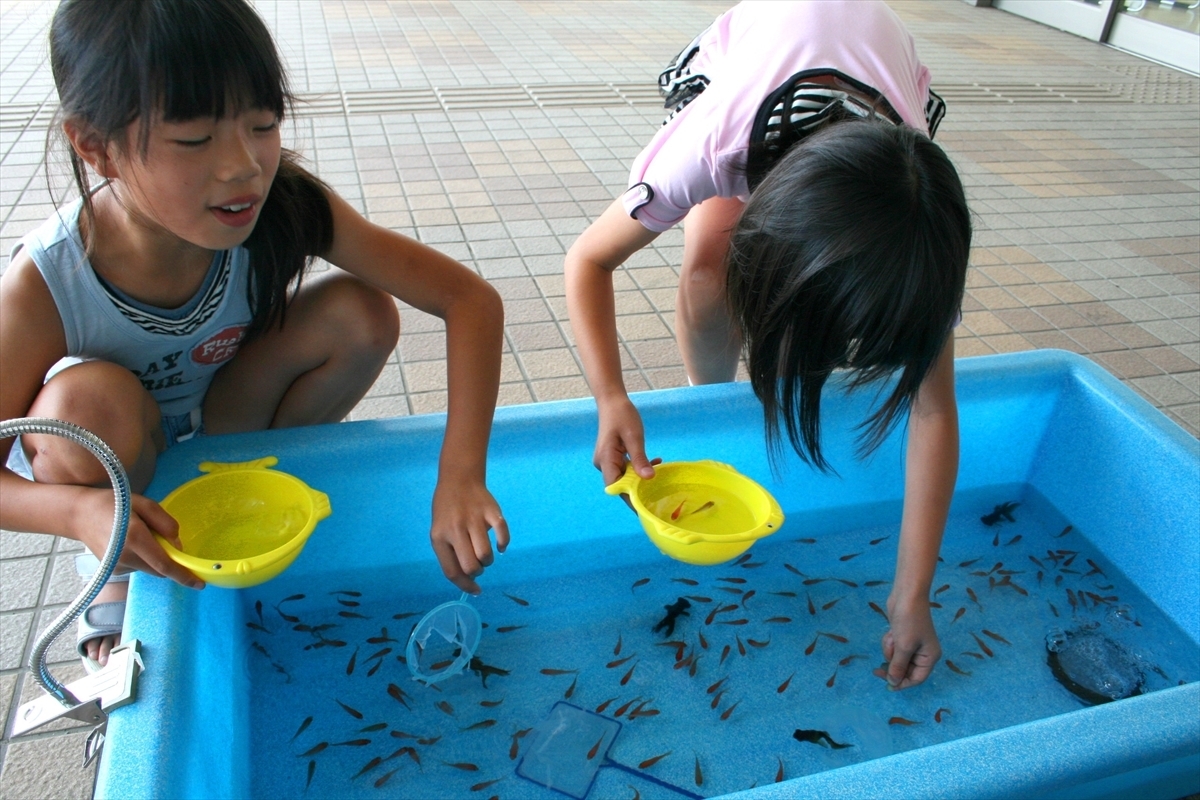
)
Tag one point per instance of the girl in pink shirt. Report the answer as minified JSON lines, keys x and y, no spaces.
{"x":825,"y":231}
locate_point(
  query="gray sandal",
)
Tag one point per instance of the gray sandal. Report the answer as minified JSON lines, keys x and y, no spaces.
{"x":99,"y":619}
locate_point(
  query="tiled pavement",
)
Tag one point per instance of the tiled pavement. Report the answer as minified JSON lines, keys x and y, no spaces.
{"x":496,"y":129}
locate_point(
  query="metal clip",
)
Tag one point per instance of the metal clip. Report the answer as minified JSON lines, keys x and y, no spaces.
{"x":112,"y":687}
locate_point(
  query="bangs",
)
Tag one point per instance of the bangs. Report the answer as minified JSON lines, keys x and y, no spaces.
{"x":207,"y":59}
{"x":208,"y":65}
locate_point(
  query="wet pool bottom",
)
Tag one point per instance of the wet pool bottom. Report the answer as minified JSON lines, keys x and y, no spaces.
{"x":783,"y":639}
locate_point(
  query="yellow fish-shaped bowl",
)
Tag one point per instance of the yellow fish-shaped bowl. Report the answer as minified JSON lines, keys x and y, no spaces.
{"x":700,"y":512}
{"x":242,"y":524}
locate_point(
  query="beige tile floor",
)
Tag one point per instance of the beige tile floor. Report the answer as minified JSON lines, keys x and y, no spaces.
{"x":496,"y":129}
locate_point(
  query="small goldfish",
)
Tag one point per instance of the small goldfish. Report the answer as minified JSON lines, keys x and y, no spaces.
{"x":982,"y":645}
{"x":849,"y":556}
{"x":699,"y":774}
{"x":600,"y":708}
{"x":397,"y":694}
{"x":832,"y":678}
{"x":808,"y":651}
{"x":487,"y":723}
{"x":303,"y":726}
{"x":997,"y":637}
{"x":312,"y":751}
{"x":725,"y":714}
{"x":509,"y":628}
{"x":959,"y":613}
{"x":834,"y":636}
{"x":628,"y":675}
{"x":678,"y":508}
{"x":465,"y":766}
{"x":874,"y":607}
{"x":444,"y":707}
{"x":902,"y":721}
{"x":354,"y":712}
{"x":312,"y":768}
{"x":372,"y":764}
{"x":639,"y":582}
{"x":479,"y":787}
{"x":778,"y":620}
{"x":595,"y":748}
{"x":685,"y":581}
{"x":783,"y":686}
{"x":650,"y":762}
{"x":619,"y":661}
{"x":937,"y":717}
{"x":383,"y":779}
{"x":954,"y":668}
{"x":518,"y":600}
{"x":625,"y":707}
{"x":779,"y":773}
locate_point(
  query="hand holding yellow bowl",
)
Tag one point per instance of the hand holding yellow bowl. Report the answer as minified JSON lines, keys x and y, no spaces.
{"x":700,"y":512}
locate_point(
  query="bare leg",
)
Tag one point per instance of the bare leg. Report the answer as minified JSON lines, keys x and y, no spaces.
{"x":708,"y":337}
{"x":107,"y":400}
{"x":338,"y":334}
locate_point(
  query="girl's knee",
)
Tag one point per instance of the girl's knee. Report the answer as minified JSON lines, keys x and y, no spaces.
{"x":364,"y":318}
{"x":104,"y":399}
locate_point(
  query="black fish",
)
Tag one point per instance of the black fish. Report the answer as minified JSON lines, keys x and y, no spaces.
{"x":1000,"y":512}
{"x":483,"y":670}
{"x":818,"y":737}
{"x":674,"y":611}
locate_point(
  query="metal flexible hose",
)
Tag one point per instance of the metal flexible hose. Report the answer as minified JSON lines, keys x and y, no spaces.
{"x":120,"y":485}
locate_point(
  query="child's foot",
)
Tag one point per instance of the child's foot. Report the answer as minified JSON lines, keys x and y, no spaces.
{"x":100,"y":623}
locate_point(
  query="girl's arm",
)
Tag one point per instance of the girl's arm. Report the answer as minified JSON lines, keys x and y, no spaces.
{"x":599,"y":250}
{"x":463,"y":508}
{"x":911,"y":645}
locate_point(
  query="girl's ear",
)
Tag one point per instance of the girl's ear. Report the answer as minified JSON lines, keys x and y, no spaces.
{"x":91,"y":147}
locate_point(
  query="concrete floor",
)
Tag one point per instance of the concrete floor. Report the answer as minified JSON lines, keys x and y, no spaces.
{"x":496,"y":130}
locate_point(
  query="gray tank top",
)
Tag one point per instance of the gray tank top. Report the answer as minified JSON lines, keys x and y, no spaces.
{"x":174,"y":352}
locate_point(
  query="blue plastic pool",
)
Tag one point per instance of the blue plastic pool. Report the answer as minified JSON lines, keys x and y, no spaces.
{"x":220,"y":702}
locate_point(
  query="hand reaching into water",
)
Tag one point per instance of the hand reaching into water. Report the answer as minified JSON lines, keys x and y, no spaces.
{"x":911,"y":645}
{"x":463,"y":513}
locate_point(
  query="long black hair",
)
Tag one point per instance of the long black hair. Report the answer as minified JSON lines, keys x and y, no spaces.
{"x":851,"y":254}
{"x":120,"y":62}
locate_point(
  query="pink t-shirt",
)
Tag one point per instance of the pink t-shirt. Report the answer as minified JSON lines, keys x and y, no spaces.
{"x":749,"y":52}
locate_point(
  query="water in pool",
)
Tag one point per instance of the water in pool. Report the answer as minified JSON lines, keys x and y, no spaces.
{"x":779,"y":641}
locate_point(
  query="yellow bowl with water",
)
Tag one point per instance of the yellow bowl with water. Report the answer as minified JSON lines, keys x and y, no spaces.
{"x":700,"y":512}
{"x":242,"y":524}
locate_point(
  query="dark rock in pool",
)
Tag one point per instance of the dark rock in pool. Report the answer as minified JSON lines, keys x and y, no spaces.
{"x":1093,"y":667}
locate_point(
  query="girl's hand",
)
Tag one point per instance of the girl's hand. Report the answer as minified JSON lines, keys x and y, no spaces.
{"x":621,"y":435}
{"x":911,"y":645}
{"x":91,"y":524}
{"x":463,"y":512}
